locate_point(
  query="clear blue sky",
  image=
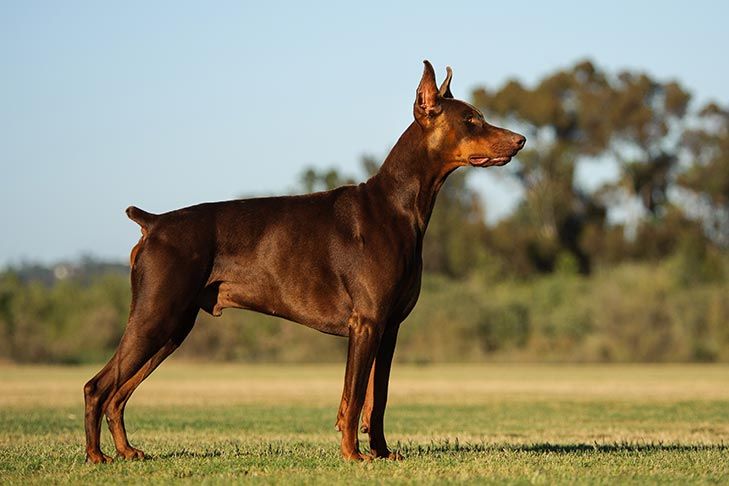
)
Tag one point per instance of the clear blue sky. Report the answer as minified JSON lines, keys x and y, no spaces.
{"x":166,"y":104}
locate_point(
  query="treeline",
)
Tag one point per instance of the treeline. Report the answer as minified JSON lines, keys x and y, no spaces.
{"x":632,"y":267}
{"x":629,"y":312}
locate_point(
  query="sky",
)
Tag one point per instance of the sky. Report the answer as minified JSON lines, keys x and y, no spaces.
{"x":167,"y":104}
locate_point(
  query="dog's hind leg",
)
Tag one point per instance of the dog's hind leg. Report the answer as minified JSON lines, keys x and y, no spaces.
{"x":117,"y":404}
{"x":133,"y":352}
{"x":367,"y":407}
{"x":115,"y":409}
{"x":92,"y":414}
{"x":160,"y":305}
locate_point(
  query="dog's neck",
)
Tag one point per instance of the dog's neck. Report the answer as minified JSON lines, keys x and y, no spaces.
{"x":411,"y":177}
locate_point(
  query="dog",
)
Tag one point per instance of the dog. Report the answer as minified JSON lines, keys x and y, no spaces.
{"x":346,"y":262}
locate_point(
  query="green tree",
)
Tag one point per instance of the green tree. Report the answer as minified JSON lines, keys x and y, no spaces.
{"x":584,"y":114}
{"x":646,"y":118}
{"x":560,"y":117}
{"x":706,"y":180}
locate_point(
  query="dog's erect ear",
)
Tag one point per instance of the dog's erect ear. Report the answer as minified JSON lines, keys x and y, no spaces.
{"x":427,"y":103}
{"x":445,"y":88}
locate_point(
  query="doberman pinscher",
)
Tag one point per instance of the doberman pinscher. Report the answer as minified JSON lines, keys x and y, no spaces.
{"x":346,"y":262}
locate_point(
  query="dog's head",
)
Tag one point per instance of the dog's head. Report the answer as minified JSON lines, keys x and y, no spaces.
{"x":455,"y":131}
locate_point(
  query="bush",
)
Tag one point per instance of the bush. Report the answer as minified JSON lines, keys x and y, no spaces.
{"x":675,"y":310}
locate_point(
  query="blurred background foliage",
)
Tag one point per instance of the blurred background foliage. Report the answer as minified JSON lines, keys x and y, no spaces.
{"x":634,"y":268}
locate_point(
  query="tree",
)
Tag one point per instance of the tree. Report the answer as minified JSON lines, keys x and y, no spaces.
{"x":579,"y":114}
{"x":561,"y":120}
{"x":707,"y":178}
{"x":646,"y":118}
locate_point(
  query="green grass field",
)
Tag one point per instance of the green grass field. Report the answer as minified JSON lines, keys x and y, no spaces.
{"x":540,"y":424}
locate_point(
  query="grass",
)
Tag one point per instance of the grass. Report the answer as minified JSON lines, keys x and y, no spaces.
{"x":521,"y":424}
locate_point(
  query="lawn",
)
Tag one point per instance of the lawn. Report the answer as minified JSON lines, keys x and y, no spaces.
{"x":497,"y":423}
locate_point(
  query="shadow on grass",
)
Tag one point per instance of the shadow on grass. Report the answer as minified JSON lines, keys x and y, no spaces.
{"x":444,"y":447}
{"x":448,"y":447}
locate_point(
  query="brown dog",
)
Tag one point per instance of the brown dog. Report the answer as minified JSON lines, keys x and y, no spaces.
{"x":346,"y":262}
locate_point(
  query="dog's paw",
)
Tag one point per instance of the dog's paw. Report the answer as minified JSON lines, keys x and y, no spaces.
{"x":132,"y":454}
{"x":357,"y":456}
{"x":388,"y":455}
{"x":98,"y":458}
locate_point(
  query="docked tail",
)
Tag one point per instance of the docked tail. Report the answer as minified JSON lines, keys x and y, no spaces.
{"x":141,"y":217}
{"x":145,"y":220}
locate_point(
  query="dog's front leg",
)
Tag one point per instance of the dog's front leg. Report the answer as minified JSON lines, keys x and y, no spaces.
{"x":379,"y":379}
{"x":364,"y":339}
{"x":383,"y":361}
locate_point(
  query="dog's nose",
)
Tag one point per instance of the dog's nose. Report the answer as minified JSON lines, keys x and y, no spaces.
{"x":520,"y":141}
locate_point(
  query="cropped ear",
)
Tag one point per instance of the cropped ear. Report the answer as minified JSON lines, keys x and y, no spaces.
{"x":427,"y":104}
{"x":445,"y":88}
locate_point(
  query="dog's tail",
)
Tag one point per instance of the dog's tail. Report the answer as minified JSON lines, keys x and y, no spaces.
{"x":145,"y":220}
{"x":142,"y":218}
